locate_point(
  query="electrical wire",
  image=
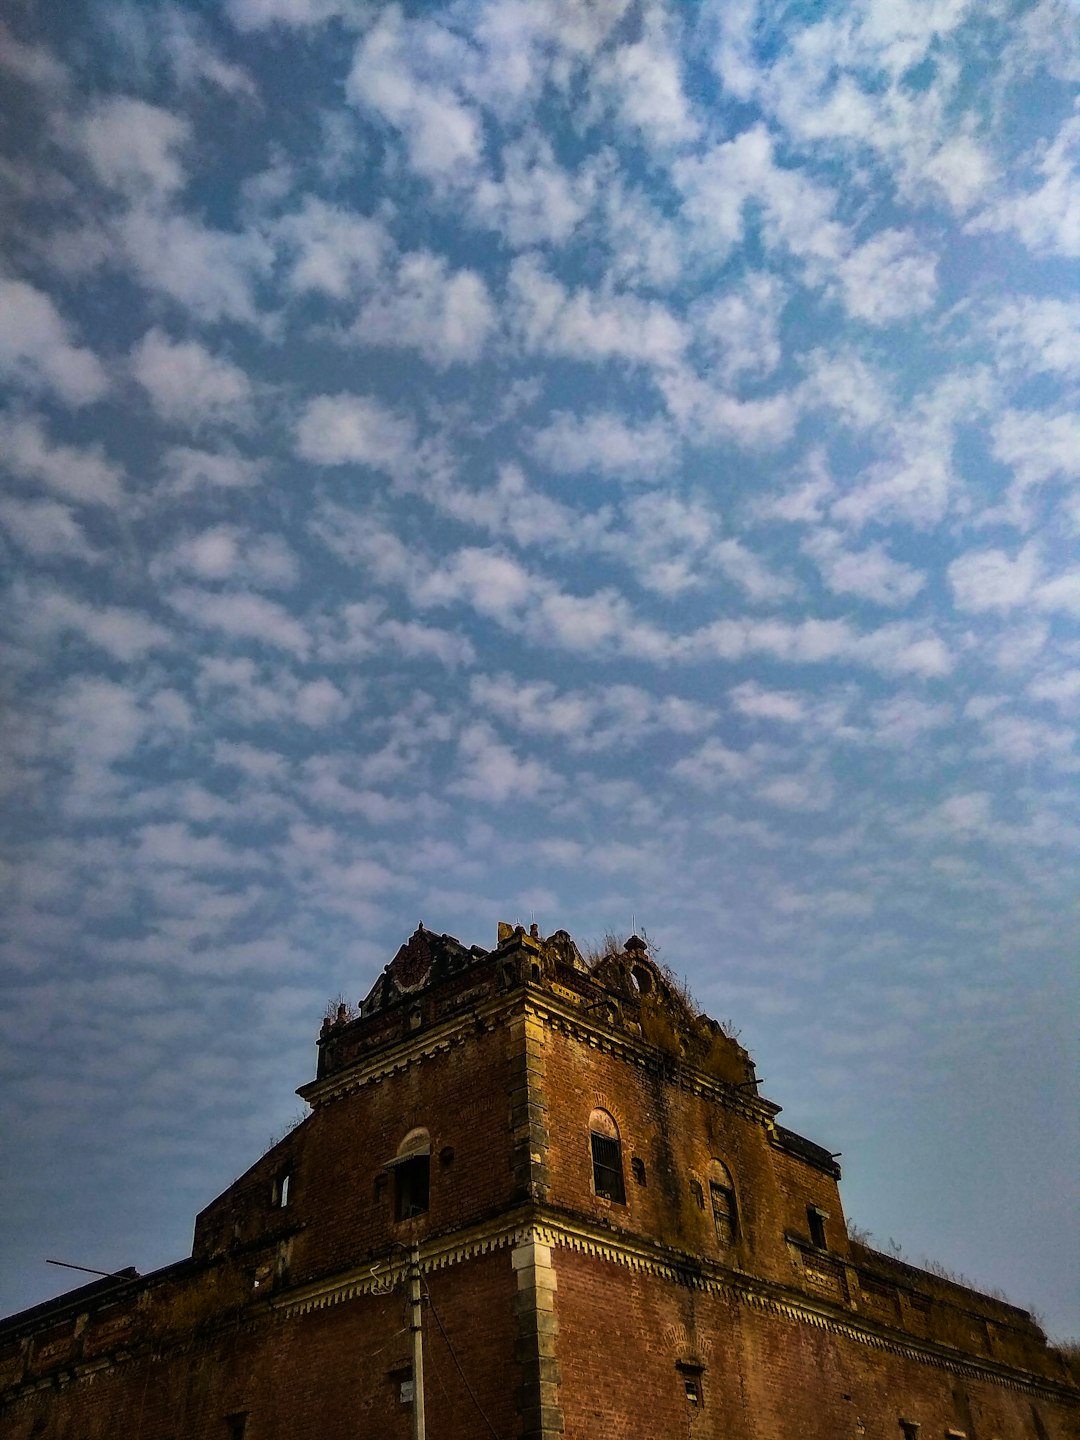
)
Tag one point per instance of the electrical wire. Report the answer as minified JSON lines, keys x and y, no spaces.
{"x":457,"y":1363}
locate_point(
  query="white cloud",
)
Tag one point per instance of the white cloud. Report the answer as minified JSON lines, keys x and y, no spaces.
{"x":45,"y":528}
{"x":335,"y":251}
{"x":646,"y":247}
{"x":402,"y":73}
{"x":646,"y":87}
{"x":446,"y":315}
{"x":760,"y":703}
{"x":228,"y":553}
{"x":186,"y":468}
{"x":741,"y":327}
{"x":797,"y":212}
{"x":36,"y":348}
{"x":320,"y":703}
{"x":188,"y":385}
{"x":514,"y":508}
{"x":209,"y":272}
{"x":132,"y":146}
{"x":1039,"y":335}
{"x":291,"y":14}
{"x":603,"y":441}
{"x":355,"y":429}
{"x":1038,"y":446}
{"x":121,"y":632}
{"x":1047,"y":219}
{"x":598,"y":718}
{"x":243,"y":616}
{"x":897,"y":649}
{"x":992,"y":580}
{"x":984,"y":580}
{"x":80,"y":473}
{"x":750,"y":573}
{"x":709,"y":414}
{"x":1062,"y":688}
{"x":589,"y":326}
{"x":33,"y":64}
{"x":904,"y":719}
{"x":714,"y":764}
{"x":536,"y":201}
{"x":493,"y":773}
{"x":809,"y":792}
{"x":887,"y":278}
{"x":871,"y":574}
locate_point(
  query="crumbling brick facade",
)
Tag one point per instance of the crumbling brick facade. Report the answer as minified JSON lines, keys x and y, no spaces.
{"x":617,"y":1238}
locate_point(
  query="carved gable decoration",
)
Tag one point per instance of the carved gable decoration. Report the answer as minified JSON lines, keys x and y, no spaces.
{"x":411,"y":966}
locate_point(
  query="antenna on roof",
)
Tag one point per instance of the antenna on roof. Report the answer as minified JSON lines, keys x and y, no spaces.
{"x":129,"y":1274}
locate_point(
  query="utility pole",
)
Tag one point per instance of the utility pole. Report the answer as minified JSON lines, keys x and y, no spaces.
{"x":419,"y":1431}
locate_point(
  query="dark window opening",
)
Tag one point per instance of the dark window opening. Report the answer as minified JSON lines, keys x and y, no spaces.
{"x":534,"y":971}
{"x":642,"y":979}
{"x":815,"y":1218}
{"x":910,"y":1429}
{"x":607,"y":1168}
{"x":411,"y":1187}
{"x":236,"y":1425}
{"x":699,"y":1194}
{"x":723,"y":1210}
{"x":281,"y":1190}
{"x":637,"y":1168}
{"x":693,"y":1390}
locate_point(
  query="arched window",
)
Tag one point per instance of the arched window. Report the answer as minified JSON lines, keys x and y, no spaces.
{"x":722,"y":1198}
{"x":412,"y":1170}
{"x":606,"y":1157}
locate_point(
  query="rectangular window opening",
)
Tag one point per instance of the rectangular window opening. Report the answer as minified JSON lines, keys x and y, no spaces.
{"x":910,"y":1429}
{"x":607,"y":1168}
{"x":282,"y":1190}
{"x":723,"y":1209}
{"x":693,"y":1390}
{"x":411,"y":1187}
{"x":236,"y":1425}
{"x":815,"y":1218}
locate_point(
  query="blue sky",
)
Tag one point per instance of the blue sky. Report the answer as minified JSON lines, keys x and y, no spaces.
{"x":602,"y":463}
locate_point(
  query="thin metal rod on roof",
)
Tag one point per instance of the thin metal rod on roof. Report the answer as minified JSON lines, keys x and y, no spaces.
{"x":129,"y":1274}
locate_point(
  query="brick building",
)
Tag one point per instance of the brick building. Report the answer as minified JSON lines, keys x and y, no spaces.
{"x":616,"y":1238}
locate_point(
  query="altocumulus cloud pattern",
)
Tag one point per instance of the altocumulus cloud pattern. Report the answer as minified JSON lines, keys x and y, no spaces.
{"x":601,"y":460}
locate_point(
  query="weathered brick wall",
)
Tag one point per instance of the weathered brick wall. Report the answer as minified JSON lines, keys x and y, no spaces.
{"x":341,"y":1196}
{"x":767,"y":1376}
{"x":333,"y":1371}
{"x":676,"y":1133}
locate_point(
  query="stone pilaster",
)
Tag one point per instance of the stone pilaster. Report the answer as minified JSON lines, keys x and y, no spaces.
{"x":536,"y":1343}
